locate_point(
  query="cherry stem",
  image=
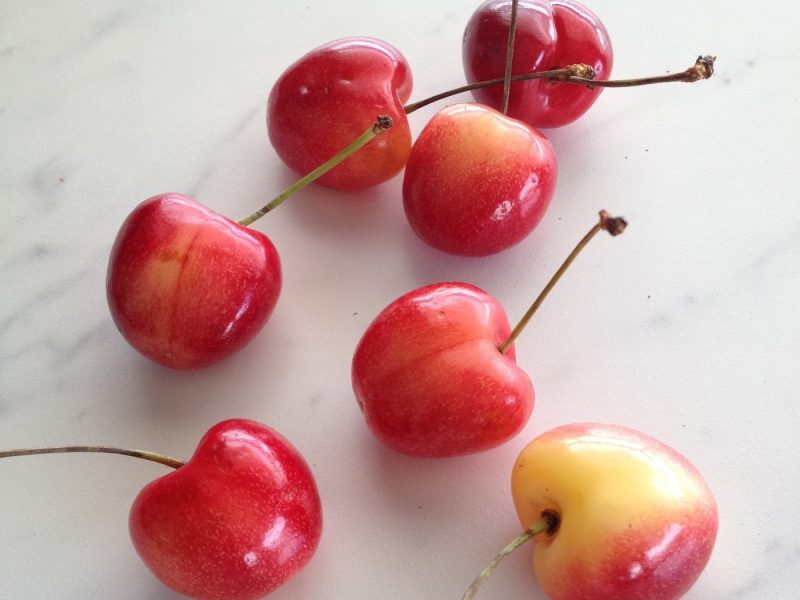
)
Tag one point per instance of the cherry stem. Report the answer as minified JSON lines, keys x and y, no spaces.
{"x":151,"y":456}
{"x":613,"y":225}
{"x":381,"y":124}
{"x":548,"y":523}
{"x":582,"y":74}
{"x":512,"y":30}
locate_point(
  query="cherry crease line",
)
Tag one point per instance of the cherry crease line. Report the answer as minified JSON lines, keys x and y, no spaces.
{"x":421,"y":359}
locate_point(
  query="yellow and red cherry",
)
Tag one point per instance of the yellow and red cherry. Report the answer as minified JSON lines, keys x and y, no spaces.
{"x":629,"y":517}
{"x":188,"y":287}
{"x":477,"y":182}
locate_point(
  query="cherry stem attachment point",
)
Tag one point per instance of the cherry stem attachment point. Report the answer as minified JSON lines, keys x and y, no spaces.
{"x":613,"y":225}
{"x":582,"y":74}
{"x":548,"y":523}
{"x":151,"y":456}
{"x":512,"y":30}
{"x":381,"y":124}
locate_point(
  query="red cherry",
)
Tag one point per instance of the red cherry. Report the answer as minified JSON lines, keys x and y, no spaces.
{"x":430,"y":379}
{"x":477,"y":182}
{"x":239,"y":519}
{"x":435,"y":373}
{"x":328,"y":97}
{"x":549,"y":34}
{"x":188,"y":287}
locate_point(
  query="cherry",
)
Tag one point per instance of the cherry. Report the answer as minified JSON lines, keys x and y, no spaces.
{"x":435,"y":373}
{"x":549,"y":34}
{"x":240,"y":519}
{"x":236,"y":521}
{"x":326,"y":98}
{"x":615,"y":514}
{"x":477,"y":182}
{"x":429,"y":379}
{"x":186,"y":286}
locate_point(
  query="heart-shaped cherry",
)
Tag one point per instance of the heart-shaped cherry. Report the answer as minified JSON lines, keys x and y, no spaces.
{"x":236,"y":521}
{"x":477,"y":182}
{"x":186,"y":286}
{"x":326,"y":98}
{"x":549,"y":34}
{"x":429,"y":379}
{"x":435,"y":373}
{"x":616,"y":514}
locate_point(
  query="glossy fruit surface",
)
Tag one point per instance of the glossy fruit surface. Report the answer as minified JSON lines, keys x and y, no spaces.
{"x":477,"y":182}
{"x":637,"y":520}
{"x":430,"y":380}
{"x":329,"y":97}
{"x":550,"y":34}
{"x":236,"y":521}
{"x":188,"y":287}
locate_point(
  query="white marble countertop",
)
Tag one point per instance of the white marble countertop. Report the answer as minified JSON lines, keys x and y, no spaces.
{"x":686,"y":327}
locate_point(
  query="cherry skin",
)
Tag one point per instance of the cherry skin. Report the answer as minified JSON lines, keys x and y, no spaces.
{"x":188,"y":287}
{"x":329,"y":97}
{"x":429,"y":377}
{"x":239,"y":519}
{"x":635,"y":518}
{"x":549,"y":34}
{"x":477,"y":182}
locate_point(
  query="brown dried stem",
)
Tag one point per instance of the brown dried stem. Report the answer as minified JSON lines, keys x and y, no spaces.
{"x":582,"y":74}
{"x":613,"y":225}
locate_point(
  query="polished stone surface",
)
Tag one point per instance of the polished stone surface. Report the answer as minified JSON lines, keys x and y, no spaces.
{"x":686,"y":327}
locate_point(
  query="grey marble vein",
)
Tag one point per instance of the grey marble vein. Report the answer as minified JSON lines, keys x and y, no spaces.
{"x":43,"y":297}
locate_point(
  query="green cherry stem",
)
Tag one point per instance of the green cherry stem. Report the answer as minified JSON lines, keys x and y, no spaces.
{"x":581,"y":74}
{"x":151,"y":456}
{"x":613,"y":225}
{"x":548,"y":523}
{"x":381,"y":124}
{"x":512,"y":30}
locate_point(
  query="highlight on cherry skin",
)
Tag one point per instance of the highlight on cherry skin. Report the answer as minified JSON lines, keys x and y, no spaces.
{"x":548,"y":34}
{"x":614,"y":514}
{"x":326,"y":98}
{"x":235,"y":522}
{"x":477,"y":182}
{"x":435,"y":373}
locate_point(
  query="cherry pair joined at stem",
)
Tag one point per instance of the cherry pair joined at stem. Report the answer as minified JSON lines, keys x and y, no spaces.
{"x":177,"y":312}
